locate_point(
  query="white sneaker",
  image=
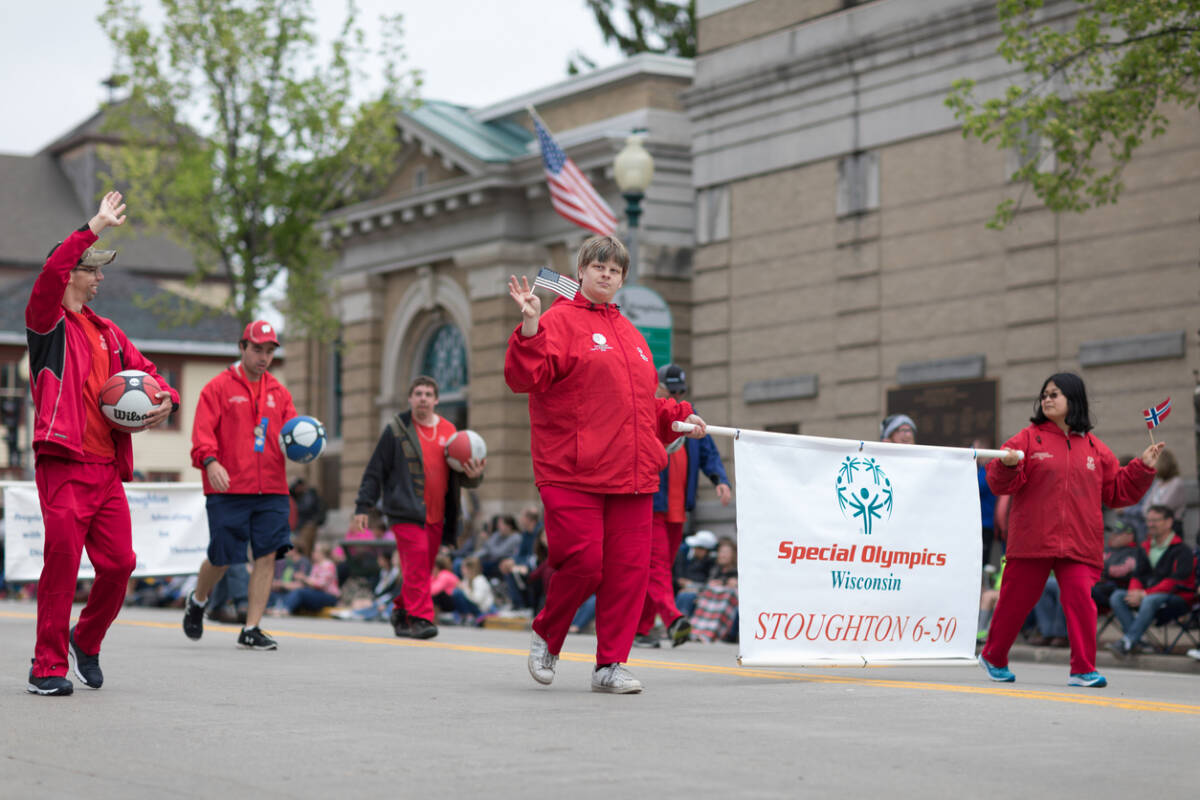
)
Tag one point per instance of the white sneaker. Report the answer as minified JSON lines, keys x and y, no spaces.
{"x":1194,"y":653}
{"x":615,"y":679}
{"x":541,"y":662}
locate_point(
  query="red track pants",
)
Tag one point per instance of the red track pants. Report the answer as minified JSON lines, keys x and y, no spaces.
{"x":418,"y":547}
{"x":599,"y":544}
{"x":1022,"y":585}
{"x":82,"y":505}
{"x":660,"y":591}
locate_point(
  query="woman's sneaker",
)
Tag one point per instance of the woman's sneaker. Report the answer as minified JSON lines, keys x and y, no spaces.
{"x":255,"y":639}
{"x":615,"y":679}
{"x":49,"y":685}
{"x":998,"y":674}
{"x":541,"y":661}
{"x":1093,"y":679}
{"x":86,"y":667}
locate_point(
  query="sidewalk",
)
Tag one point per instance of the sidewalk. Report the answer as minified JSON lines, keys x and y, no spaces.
{"x":1177,"y":662}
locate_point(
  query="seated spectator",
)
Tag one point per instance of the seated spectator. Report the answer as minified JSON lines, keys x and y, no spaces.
{"x":379,"y":605}
{"x":584,"y":616}
{"x":1166,"y":585}
{"x":1122,"y":560}
{"x":442,"y":586}
{"x":530,"y":527}
{"x":310,"y":514}
{"x":474,"y":597}
{"x":713,"y":610}
{"x":1050,"y":617}
{"x":693,"y":565}
{"x":504,"y":542}
{"x":517,"y":572}
{"x":317,"y":590}
{"x":287,"y":574}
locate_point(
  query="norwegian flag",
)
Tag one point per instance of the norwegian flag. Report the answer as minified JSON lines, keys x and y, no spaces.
{"x":1154,"y":416}
{"x":570,"y":192}
{"x":549,"y":279}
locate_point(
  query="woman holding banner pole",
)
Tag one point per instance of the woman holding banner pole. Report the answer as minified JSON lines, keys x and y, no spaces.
{"x":597,"y":434}
{"x":1055,"y":523}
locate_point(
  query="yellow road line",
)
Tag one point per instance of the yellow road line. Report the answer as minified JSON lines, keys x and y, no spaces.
{"x":1082,"y":698}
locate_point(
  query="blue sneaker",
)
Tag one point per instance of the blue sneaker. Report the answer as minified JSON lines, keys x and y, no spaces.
{"x":998,"y":674}
{"x":1092,"y":679}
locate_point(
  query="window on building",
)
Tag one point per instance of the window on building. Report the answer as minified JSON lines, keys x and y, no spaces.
{"x":858,"y":184}
{"x":162,"y":476}
{"x":419,"y":177}
{"x":712,"y":215}
{"x":334,"y":425}
{"x":445,"y":360}
{"x":783,"y":427}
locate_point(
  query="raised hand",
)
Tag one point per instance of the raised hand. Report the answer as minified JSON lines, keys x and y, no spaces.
{"x":529,"y":303}
{"x":110,"y":214}
{"x":1150,"y":454}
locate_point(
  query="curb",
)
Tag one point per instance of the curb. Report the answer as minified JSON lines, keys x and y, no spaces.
{"x":1105,"y":658}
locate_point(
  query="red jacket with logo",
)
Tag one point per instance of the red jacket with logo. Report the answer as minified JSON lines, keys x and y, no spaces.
{"x":226,"y":416}
{"x":595,"y":423}
{"x":60,"y":359}
{"x":1058,"y":490}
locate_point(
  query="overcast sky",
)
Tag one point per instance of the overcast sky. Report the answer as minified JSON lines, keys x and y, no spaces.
{"x":473,"y":52}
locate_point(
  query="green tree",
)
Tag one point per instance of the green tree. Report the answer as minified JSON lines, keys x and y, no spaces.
{"x":655,"y":26}
{"x":1097,"y":77}
{"x":237,"y":140}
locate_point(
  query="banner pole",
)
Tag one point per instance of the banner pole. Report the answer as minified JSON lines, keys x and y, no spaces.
{"x":717,"y":430}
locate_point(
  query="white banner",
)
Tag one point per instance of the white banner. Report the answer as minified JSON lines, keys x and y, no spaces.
{"x":170,"y":530}
{"x":855,"y":553}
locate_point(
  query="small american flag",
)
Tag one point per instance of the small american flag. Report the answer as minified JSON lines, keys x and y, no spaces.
{"x":549,"y":279}
{"x":571,"y":193}
{"x":1154,"y":416}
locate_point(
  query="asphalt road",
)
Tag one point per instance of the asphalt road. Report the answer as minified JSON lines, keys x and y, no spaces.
{"x":346,"y":709}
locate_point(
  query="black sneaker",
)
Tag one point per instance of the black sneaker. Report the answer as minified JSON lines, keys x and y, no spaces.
{"x":419,"y":629}
{"x":50,"y":685}
{"x":193,"y":617}
{"x":86,"y":667}
{"x":679,"y":631}
{"x":255,"y":639}
{"x":645,"y":640}
{"x":400,"y":622}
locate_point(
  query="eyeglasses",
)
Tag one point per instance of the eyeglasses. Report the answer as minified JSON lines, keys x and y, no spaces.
{"x":1051,"y":396}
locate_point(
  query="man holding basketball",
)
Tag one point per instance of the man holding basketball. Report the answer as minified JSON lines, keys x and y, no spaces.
{"x":419,"y":494}
{"x":235,"y":446}
{"x":80,"y":460}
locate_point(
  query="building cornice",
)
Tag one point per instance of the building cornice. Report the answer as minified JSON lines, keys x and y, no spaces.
{"x":644,"y":64}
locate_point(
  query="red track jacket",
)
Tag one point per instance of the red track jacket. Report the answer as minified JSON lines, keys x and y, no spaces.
{"x":595,"y":423}
{"x":226,"y":417}
{"x":1058,"y":490}
{"x":60,"y":359}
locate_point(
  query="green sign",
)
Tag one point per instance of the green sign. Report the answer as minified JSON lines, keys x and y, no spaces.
{"x":650,"y":314}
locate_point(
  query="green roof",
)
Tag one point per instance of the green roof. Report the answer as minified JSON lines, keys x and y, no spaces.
{"x":487,"y":141}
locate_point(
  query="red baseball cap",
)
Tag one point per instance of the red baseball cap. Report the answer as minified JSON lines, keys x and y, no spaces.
{"x":260,"y":332}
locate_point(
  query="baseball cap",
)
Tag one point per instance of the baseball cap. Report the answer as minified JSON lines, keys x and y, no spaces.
{"x":94,"y":257}
{"x":673,"y":377}
{"x":705,"y":539}
{"x":260,"y":332}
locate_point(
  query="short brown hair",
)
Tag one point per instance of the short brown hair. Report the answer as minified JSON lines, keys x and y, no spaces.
{"x":1168,"y":467}
{"x":602,"y":249}
{"x":423,"y":380}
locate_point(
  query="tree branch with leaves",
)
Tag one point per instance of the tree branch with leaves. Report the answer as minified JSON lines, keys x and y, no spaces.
{"x":1098,"y":75}
{"x":237,"y":139}
{"x":649,"y":26}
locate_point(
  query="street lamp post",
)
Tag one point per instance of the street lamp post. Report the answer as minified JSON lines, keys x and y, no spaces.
{"x":633,"y":170}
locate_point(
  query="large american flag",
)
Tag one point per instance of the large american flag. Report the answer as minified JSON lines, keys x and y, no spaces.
{"x":570,"y":192}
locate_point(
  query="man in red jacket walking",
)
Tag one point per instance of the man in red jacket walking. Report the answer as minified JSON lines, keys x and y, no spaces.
{"x":234,"y":446}
{"x":80,"y":459}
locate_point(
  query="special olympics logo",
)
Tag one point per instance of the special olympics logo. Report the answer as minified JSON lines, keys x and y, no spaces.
{"x":864,"y":492}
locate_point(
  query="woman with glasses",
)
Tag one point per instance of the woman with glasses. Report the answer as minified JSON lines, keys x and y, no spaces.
{"x":1055,"y":524}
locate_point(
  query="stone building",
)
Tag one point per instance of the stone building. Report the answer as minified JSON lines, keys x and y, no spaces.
{"x":842,"y":267}
{"x":421,"y":282}
{"x":817,"y":224}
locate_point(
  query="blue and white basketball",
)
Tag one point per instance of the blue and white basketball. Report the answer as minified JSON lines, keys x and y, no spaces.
{"x":302,"y":439}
